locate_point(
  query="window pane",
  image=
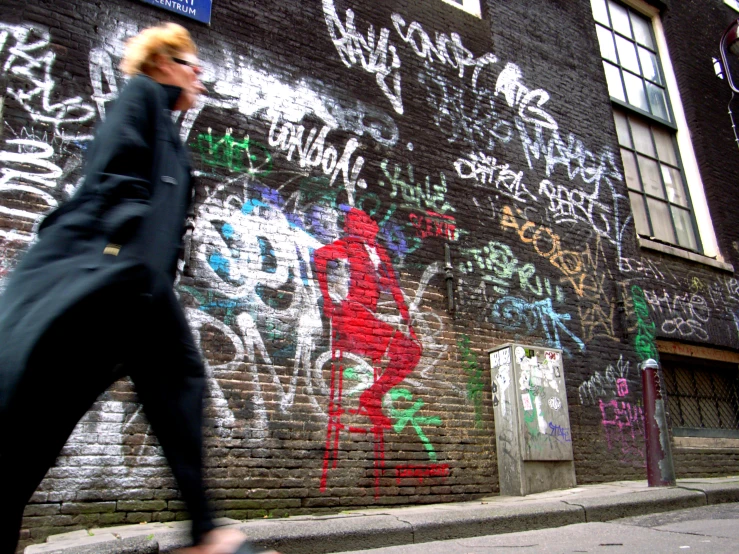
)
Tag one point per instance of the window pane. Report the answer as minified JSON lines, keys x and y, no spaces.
{"x":599,"y":11}
{"x":709,"y":413}
{"x":658,"y":101}
{"x":640,"y":214}
{"x":632,"y":175}
{"x":620,"y":19}
{"x":649,"y":65}
{"x":635,"y":91}
{"x":607,"y":48}
{"x":613,"y":78}
{"x":642,"y":30}
{"x":684,"y":228}
{"x":691,"y":411}
{"x":622,"y":129}
{"x":642,"y":137}
{"x":650,"y":177}
{"x":627,"y":54}
{"x":674,"y":185}
{"x":728,"y":414}
{"x":661,"y":220}
{"x":665,"y":146}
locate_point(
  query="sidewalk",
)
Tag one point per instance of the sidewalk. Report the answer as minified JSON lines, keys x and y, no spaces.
{"x":361,"y":529}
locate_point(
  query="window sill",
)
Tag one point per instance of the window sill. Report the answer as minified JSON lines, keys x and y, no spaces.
{"x":705,"y":433}
{"x":685,"y":254}
{"x":704,"y":443}
{"x":705,"y":439}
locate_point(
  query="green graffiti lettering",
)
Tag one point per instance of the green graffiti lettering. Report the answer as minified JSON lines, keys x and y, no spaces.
{"x":644,"y":342}
{"x":239,"y":156}
{"x":475,"y":381}
{"x":212,"y":301}
{"x":429,"y":196}
{"x":499,"y":266}
{"x":530,"y":416}
{"x":408,"y":415}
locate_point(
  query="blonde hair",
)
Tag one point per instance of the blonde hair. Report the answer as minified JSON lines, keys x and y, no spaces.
{"x":166,"y":39}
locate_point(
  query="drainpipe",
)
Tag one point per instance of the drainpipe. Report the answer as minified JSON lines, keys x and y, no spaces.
{"x":660,"y":469}
{"x":449,"y":278}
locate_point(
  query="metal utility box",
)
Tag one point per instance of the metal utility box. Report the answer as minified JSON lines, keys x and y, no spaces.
{"x":532,"y":423}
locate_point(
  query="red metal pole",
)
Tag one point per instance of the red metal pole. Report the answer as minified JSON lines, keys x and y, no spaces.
{"x":660,"y":470}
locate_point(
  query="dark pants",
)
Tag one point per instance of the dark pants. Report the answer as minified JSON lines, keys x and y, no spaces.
{"x":108,"y":335}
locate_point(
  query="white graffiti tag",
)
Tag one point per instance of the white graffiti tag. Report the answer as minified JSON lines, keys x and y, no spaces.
{"x":28,"y":170}
{"x":485,"y":170}
{"x":29,"y":62}
{"x":528,"y":102}
{"x":373,"y":51}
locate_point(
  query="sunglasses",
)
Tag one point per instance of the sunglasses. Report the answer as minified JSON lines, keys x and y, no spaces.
{"x":194,"y":65}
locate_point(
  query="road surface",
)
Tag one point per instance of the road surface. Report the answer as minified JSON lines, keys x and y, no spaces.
{"x":707,"y":530}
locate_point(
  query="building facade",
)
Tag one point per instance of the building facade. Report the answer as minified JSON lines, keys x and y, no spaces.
{"x":547,"y":172}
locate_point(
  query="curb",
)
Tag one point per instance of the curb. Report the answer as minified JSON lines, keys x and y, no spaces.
{"x":364,"y":529}
{"x":492,"y":520}
{"x":642,"y":503}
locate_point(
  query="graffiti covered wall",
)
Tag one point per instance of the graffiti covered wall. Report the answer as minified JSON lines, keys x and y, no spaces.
{"x":340,"y":148}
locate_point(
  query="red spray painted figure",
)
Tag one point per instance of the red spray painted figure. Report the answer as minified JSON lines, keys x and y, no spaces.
{"x":355,"y":326}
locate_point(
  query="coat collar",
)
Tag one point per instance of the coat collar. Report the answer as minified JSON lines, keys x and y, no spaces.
{"x":173,"y":94}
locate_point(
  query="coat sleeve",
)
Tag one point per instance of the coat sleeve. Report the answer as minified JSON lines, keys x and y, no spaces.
{"x":120,"y":162}
{"x":122,"y":169}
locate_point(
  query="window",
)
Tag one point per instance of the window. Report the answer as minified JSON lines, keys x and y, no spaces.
{"x":471,"y":6}
{"x":630,"y":59}
{"x":702,"y":397}
{"x":667,"y":199}
{"x":659,"y":199}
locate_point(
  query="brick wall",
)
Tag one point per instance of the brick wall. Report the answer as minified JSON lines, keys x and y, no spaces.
{"x":444,"y":129}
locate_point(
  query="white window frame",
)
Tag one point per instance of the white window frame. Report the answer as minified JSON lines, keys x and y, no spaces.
{"x":684,"y":141}
{"x":470,"y":6}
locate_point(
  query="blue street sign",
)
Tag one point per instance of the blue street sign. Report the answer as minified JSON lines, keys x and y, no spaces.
{"x":198,"y":10}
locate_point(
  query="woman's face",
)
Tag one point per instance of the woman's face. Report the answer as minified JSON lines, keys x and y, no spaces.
{"x":183,"y":70}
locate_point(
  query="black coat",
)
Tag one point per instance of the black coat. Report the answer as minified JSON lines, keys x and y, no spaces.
{"x":122,"y":228}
